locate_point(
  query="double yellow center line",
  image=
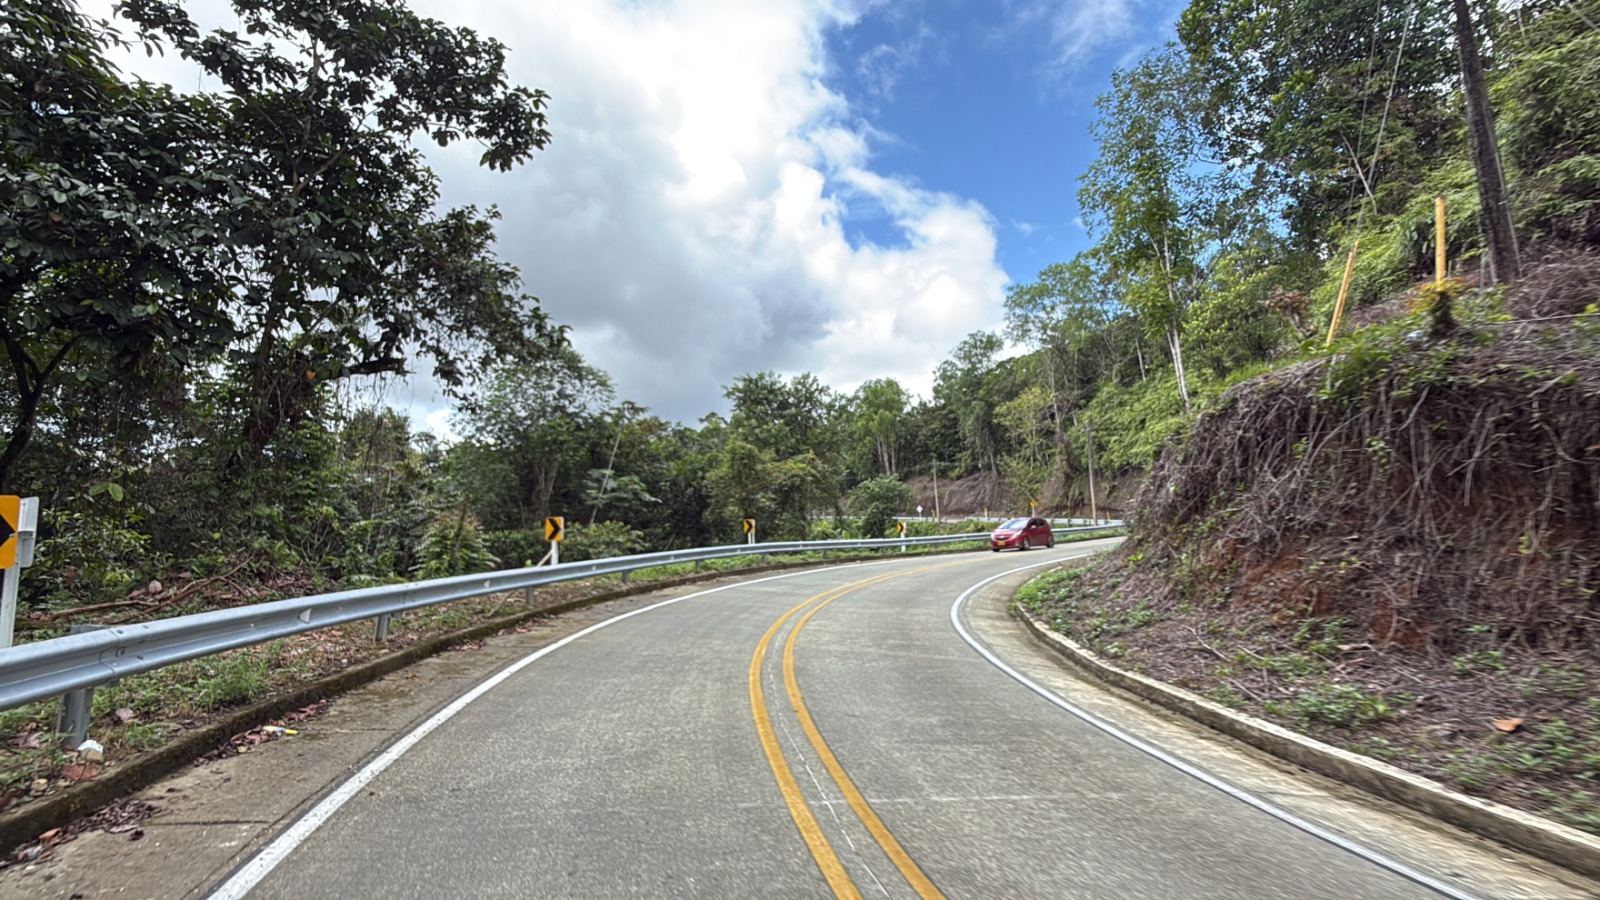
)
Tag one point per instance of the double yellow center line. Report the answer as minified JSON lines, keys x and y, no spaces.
{"x":821,"y":850}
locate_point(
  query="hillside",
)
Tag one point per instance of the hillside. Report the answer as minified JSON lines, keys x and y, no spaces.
{"x":1395,"y":547}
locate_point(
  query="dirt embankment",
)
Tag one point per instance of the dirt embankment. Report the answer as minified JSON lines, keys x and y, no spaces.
{"x":1396,"y":549}
{"x":987,"y":495}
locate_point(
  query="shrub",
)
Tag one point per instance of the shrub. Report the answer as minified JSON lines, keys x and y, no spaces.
{"x":876,"y":501}
{"x":454,"y":545}
{"x":601,"y":540}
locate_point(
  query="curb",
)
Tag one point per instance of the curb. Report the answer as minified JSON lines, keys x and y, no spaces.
{"x":1551,"y":841}
{"x":26,"y":823}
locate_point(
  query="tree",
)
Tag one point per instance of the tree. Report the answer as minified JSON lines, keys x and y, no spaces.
{"x":1504,"y":262}
{"x":787,"y":418}
{"x":1067,"y":314}
{"x":878,"y":419}
{"x":877,"y":501}
{"x":1027,"y":420}
{"x":1148,"y":206}
{"x":740,"y":485}
{"x":538,"y":416}
{"x":1323,"y":104}
{"x":788,"y":434}
{"x":108,"y":196}
{"x":965,"y":384}
{"x":340,"y":262}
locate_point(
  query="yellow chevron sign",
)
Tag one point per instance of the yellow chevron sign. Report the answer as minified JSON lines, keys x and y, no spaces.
{"x":10,"y":515}
{"x":749,"y":526}
{"x":553,"y":528}
{"x":900,"y":527}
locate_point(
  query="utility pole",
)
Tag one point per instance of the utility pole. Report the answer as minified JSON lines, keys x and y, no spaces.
{"x":1504,"y":259}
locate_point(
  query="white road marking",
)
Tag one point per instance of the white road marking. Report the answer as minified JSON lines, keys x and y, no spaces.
{"x":1239,"y":794}
{"x":259,"y":866}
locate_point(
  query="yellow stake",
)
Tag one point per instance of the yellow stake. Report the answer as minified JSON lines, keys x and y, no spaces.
{"x":1344,"y":289}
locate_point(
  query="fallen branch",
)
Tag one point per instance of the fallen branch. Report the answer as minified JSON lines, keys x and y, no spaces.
{"x":96,"y":607}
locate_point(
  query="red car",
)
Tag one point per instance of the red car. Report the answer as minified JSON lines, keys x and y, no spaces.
{"x":1022,"y":534}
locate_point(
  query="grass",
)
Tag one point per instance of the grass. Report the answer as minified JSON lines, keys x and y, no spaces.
{"x":1340,"y":705}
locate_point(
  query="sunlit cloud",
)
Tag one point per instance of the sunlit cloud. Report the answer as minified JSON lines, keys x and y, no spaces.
{"x":688,"y":220}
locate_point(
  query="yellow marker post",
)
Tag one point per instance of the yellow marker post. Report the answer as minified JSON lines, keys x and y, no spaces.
{"x":10,"y":519}
{"x":555,"y":528}
{"x":1344,"y":291}
{"x":749,"y":526}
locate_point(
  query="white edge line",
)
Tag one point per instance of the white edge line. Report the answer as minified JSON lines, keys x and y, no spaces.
{"x":1240,"y":794}
{"x":252,"y":872}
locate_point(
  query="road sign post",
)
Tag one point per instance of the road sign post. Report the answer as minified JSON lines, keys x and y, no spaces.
{"x":900,"y":528}
{"x":555,"y":528}
{"x":19,"y":521}
{"x":749,"y":531}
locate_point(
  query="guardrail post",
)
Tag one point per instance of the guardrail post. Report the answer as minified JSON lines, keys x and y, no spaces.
{"x":382,"y":634}
{"x":77,"y":705}
{"x":527,"y":595}
{"x":624,"y":579}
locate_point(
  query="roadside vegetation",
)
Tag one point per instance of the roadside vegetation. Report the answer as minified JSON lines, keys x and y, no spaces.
{"x":1392,"y":543}
{"x":1390,"y":540}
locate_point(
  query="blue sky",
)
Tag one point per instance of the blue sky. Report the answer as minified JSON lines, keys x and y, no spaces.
{"x":841,"y":187}
{"x":993,"y":102}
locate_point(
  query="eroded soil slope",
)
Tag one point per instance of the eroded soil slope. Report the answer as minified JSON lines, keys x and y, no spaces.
{"x":1396,"y":549}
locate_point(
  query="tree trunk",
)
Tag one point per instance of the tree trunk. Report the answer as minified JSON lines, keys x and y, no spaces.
{"x":30,"y":380}
{"x":21,"y":433}
{"x":1504,"y":259}
{"x":1055,"y":396}
{"x":1175,"y":341}
{"x":1174,"y":322}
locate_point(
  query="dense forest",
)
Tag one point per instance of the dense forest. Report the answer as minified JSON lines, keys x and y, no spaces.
{"x":200,"y":291}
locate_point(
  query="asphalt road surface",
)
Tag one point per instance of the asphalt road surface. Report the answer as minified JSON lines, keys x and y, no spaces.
{"x":831,"y":733}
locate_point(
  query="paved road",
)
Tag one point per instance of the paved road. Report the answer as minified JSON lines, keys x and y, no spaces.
{"x":829,"y":733}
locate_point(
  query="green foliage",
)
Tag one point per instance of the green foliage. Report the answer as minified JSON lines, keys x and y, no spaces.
{"x":88,"y":558}
{"x":1339,"y":705}
{"x":601,"y":540}
{"x":971,"y":385}
{"x":1297,"y":91}
{"x":517,"y":548}
{"x":1132,"y":424}
{"x":529,"y":433}
{"x":340,"y":259}
{"x":110,"y":263}
{"x":1049,"y":588}
{"x":202,"y":685}
{"x":1548,"y":121}
{"x":877,"y":502}
{"x":453,"y":545}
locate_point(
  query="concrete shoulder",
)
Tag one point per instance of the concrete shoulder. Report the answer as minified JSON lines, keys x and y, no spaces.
{"x":1564,"y":846}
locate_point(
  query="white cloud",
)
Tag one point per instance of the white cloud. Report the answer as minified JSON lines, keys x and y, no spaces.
{"x":881,"y":68}
{"x":1079,"y":30}
{"x":687,"y":219}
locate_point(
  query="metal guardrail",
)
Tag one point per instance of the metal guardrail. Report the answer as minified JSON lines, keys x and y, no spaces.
{"x":54,"y":667}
